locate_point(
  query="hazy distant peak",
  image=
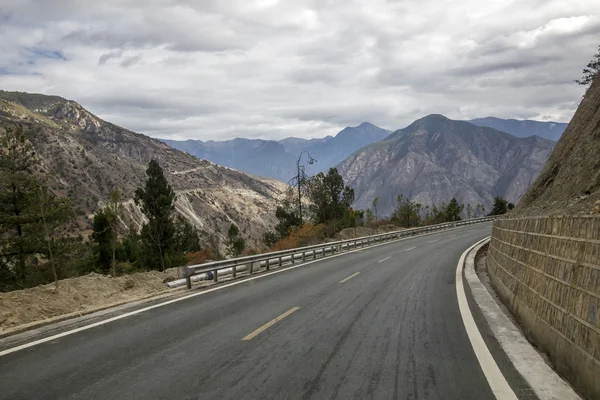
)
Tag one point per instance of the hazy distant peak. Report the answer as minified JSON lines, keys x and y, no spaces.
{"x":523,"y":128}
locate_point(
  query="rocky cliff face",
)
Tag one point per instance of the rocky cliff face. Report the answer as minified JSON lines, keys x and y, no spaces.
{"x":277,"y":159}
{"x":88,"y":157}
{"x":435,"y":159}
{"x":570,"y":180}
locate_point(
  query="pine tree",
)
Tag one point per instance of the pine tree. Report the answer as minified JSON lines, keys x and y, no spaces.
{"x":591,"y":70}
{"x":453,"y":210}
{"x":406,"y":213}
{"x":500,"y":206}
{"x":18,"y":216}
{"x":156,"y":201}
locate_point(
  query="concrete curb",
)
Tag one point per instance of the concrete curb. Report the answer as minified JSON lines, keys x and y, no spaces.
{"x":544,"y":381}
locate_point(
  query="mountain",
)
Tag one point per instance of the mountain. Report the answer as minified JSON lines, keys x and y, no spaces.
{"x":570,"y":181}
{"x":277,"y":159}
{"x":523,"y":128}
{"x":435,"y":159}
{"x":88,"y":157}
{"x":259,"y":157}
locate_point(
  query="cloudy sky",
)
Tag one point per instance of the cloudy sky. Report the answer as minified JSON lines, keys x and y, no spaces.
{"x":217,"y":69}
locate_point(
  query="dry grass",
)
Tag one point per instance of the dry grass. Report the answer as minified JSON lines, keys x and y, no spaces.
{"x":78,"y":295}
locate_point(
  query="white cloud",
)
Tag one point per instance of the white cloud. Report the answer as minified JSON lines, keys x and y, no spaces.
{"x":218,"y":69}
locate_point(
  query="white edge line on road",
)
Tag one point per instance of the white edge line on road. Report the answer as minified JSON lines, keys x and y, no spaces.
{"x":546,"y":383}
{"x":496,"y":380}
{"x":141,"y":310}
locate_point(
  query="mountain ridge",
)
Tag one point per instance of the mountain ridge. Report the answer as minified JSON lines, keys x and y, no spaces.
{"x":523,"y":128}
{"x":277,"y":159}
{"x":87,"y":157}
{"x":436,"y":158}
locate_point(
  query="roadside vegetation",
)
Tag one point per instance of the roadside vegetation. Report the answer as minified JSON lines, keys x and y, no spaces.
{"x":37,"y":243}
{"x":329,"y":212}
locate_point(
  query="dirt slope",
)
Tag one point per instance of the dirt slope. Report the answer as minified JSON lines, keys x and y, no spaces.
{"x":570,"y":180}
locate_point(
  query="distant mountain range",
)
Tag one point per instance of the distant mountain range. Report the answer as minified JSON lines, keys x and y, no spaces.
{"x":277,"y":159}
{"x":435,"y":159}
{"x":88,"y":157}
{"x":524,"y":128}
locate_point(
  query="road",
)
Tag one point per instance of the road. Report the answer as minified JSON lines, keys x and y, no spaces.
{"x":380,"y":323}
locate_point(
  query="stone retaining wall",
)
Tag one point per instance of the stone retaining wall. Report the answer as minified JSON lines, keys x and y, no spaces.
{"x":547,"y":272}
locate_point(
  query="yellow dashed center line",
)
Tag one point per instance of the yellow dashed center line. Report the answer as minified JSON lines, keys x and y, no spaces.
{"x":270,"y":324}
{"x":350,"y":277}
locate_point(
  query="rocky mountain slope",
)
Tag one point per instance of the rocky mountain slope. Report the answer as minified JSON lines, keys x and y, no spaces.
{"x":435,"y":159}
{"x":523,"y":128}
{"x":277,"y":159}
{"x":88,"y":157}
{"x":570,"y":181}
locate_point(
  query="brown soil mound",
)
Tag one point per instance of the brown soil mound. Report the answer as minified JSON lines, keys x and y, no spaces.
{"x":78,"y":295}
{"x":570,"y":180}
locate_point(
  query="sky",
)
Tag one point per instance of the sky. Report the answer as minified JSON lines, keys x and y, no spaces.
{"x":219,"y":69}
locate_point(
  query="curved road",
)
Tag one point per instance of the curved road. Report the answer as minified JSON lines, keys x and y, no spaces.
{"x":380,"y":323}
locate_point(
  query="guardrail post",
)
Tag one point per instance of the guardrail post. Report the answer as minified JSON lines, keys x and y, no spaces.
{"x":303,"y":255}
{"x":215,"y":276}
{"x":188,"y":281}
{"x":251,"y":266}
{"x":293,"y":258}
{"x":234,"y":270}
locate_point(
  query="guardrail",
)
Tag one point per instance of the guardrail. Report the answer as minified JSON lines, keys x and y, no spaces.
{"x":232,"y":266}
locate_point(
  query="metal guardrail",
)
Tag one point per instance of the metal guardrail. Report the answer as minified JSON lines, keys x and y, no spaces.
{"x":253,"y":263}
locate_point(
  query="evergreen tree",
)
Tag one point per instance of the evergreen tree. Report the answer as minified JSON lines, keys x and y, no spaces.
{"x":19,"y":230}
{"x":156,"y":200}
{"x":101,"y":236}
{"x":406,"y":213}
{"x":453,"y":210}
{"x":500,"y":206}
{"x":187,"y":238}
{"x":329,"y":197}
{"x":591,"y":70}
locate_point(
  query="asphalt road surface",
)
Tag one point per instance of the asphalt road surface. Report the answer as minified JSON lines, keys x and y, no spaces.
{"x":380,"y":323}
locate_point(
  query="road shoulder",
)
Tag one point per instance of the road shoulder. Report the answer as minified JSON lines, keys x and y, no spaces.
{"x":525,"y":369}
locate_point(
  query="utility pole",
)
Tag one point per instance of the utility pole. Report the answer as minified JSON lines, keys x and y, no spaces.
{"x":301,"y":175}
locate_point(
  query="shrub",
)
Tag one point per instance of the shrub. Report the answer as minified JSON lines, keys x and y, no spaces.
{"x":306,"y":235}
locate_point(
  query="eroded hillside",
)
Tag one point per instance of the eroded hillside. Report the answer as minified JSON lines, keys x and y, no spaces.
{"x":88,"y":157}
{"x":570,"y":180}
